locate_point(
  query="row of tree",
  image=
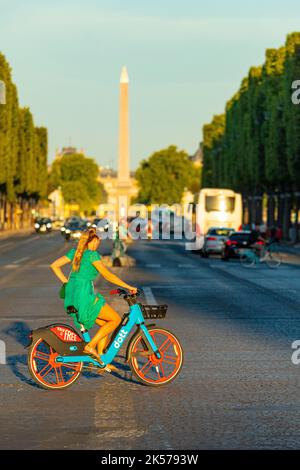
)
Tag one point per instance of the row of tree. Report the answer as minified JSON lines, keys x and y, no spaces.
{"x":23,"y":158}
{"x":254,"y":147}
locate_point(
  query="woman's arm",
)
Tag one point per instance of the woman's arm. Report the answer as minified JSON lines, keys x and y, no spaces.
{"x":57,"y":264}
{"x":112,"y":277}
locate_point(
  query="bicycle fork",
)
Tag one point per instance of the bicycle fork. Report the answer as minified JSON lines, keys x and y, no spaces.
{"x":149,"y":341}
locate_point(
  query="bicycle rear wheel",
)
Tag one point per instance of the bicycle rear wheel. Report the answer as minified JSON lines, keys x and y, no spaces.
{"x":46,"y":372}
{"x":148,"y":368}
{"x":273,"y":259}
{"x":247,"y":259}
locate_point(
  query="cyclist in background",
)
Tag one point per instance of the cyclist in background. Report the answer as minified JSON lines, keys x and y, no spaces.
{"x":257,"y":242}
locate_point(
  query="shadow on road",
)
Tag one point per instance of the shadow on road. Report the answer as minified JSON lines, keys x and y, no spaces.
{"x":19,"y":331}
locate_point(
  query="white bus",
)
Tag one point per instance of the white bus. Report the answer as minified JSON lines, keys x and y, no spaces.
{"x":217,"y":208}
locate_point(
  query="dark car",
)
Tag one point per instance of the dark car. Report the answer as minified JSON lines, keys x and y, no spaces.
{"x":43,"y":225}
{"x":235,"y":244}
{"x":101,"y":224}
{"x":69,"y":221}
{"x":74,"y":229}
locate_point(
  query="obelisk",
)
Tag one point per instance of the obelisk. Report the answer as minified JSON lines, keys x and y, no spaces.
{"x":123,"y":166}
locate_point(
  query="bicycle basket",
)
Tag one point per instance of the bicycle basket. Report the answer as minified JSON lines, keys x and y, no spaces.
{"x":154,"y":311}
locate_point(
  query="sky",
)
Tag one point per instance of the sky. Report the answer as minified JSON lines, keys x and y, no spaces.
{"x":185,"y":59}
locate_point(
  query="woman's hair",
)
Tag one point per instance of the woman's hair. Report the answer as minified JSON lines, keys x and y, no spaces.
{"x":84,"y":240}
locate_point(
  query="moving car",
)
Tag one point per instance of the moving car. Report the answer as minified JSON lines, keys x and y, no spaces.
{"x":68,"y":221}
{"x":101,"y":224}
{"x":235,"y":244}
{"x":74,"y":229}
{"x":43,"y":225}
{"x":215,"y":239}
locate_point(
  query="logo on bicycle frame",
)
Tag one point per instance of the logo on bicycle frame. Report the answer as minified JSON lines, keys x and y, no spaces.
{"x":120,"y":339}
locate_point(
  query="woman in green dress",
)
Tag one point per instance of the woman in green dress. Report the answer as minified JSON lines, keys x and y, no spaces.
{"x":92,"y":307}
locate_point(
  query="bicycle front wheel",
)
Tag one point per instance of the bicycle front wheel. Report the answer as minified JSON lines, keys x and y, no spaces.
{"x":273,"y":260}
{"x":247,"y":259}
{"x":148,"y":368}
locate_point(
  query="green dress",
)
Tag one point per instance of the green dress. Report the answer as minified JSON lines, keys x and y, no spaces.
{"x":80,"y":290}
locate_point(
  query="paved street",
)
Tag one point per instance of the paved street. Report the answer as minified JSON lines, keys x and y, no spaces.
{"x":238,"y":387}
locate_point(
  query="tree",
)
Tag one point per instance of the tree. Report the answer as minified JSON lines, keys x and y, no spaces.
{"x":23,"y":157}
{"x":77,"y":176}
{"x":212,"y":144}
{"x":163,"y":177}
{"x":41,"y":151}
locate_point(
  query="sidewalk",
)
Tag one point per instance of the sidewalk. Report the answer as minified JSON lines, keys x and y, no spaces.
{"x":285,"y":247}
{"x":290,"y":253}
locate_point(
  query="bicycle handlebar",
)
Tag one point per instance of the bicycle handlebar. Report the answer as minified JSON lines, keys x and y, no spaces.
{"x":130,"y":298}
{"x":124,"y":292}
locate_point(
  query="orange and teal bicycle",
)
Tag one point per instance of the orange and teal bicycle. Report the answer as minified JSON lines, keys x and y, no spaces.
{"x":56,"y":357}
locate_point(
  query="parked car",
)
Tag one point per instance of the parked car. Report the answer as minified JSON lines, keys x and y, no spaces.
{"x":215,"y":239}
{"x":43,"y":225}
{"x":235,"y":244}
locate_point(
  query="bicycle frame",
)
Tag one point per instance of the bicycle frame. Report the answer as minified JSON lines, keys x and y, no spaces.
{"x":134,"y":318}
{"x":251,"y":254}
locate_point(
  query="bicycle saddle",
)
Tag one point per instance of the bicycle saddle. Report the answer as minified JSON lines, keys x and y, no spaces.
{"x":71,"y":309}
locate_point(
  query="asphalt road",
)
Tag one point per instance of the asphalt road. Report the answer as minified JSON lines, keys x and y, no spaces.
{"x":238,"y":388}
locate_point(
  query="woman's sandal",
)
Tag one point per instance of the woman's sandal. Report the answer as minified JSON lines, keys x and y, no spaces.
{"x":92,"y":352}
{"x":109,"y":368}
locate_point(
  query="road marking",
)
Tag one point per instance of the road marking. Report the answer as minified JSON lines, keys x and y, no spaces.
{"x":11,"y":266}
{"x":219,"y":266}
{"x":186,"y":266}
{"x":23,"y":242}
{"x":21,"y":259}
{"x":6,"y":245}
{"x":153,"y":265}
{"x":150,"y":299}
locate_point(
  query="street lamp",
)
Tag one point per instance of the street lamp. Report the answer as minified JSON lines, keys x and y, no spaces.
{"x":2,"y":93}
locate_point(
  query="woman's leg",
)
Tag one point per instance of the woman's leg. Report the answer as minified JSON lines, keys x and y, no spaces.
{"x":104,"y":341}
{"x":109,"y":320}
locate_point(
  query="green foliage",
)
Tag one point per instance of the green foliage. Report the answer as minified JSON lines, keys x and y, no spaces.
{"x":255,"y":146}
{"x":77,"y":176}
{"x":23,"y":148}
{"x":163,"y":177}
